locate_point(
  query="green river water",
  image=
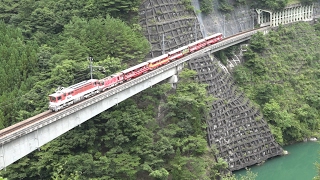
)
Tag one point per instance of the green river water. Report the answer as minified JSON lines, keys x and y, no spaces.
{"x":297,"y":165}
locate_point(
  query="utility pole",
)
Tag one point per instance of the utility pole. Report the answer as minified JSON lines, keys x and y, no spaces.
{"x":195,"y":28}
{"x":252,"y":19}
{"x":163,"y":44}
{"x":90,"y":59}
{"x":163,"y":50}
{"x":224,"y":26}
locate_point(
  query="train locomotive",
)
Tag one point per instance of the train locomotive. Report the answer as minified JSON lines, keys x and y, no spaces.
{"x":64,"y":97}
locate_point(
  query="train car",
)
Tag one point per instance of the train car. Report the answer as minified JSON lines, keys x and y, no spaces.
{"x":213,"y":38}
{"x":158,"y":61}
{"x":195,"y":46}
{"x":110,"y":81}
{"x":72,"y":94}
{"x":178,"y":53}
{"x":135,"y":71}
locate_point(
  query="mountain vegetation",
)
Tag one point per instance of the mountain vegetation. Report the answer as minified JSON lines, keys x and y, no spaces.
{"x":280,"y":75}
{"x":159,"y":133}
{"x":45,"y":45}
{"x":36,"y":60}
{"x":132,"y":141}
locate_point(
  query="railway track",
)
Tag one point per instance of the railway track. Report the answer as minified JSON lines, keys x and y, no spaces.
{"x":22,"y":124}
{"x":30,"y":121}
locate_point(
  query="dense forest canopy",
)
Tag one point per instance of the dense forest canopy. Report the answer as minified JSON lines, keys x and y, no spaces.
{"x":281,"y":74}
{"x":42,"y":20}
{"x":129,"y":142}
{"x":45,"y":44}
{"x":51,"y":51}
{"x":49,"y":43}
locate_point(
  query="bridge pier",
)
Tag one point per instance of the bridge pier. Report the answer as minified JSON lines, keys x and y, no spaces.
{"x":36,"y":135}
{"x":173,"y":80}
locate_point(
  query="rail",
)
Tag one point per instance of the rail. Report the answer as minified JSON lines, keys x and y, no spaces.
{"x":32,"y":124}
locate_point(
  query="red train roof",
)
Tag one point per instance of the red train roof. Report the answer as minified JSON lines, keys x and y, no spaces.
{"x":197,"y":42}
{"x":157,"y":58}
{"x":73,"y":87}
{"x":212,"y":36}
{"x":177,"y":50}
{"x":134,"y":67}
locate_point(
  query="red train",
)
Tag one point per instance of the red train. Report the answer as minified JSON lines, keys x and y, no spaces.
{"x":65,"y":97}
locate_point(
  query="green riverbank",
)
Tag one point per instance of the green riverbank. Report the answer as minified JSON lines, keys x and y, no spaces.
{"x":297,"y":165}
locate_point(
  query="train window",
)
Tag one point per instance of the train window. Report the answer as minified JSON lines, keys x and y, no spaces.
{"x":59,"y":97}
{"x":64,"y":94}
{"x":53,"y":99}
{"x":95,"y":83}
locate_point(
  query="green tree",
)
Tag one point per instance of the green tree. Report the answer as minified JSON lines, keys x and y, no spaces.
{"x":274,"y":5}
{"x":258,"y":42}
{"x":248,"y":176}
{"x":107,"y":37}
{"x":283,"y":80}
{"x":187,"y":168}
{"x":161,"y":174}
{"x":206,"y":6}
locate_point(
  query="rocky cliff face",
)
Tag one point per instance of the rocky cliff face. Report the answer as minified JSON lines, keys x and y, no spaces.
{"x":235,"y":127}
{"x":167,"y":24}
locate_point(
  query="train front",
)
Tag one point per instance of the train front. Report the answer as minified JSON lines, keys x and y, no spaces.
{"x":52,"y":103}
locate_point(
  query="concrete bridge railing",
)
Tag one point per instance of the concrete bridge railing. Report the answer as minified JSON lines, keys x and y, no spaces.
{"x":22,"y":142}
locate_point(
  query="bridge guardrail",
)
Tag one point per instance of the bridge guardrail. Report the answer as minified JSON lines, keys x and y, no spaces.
{"x":101,"y":96}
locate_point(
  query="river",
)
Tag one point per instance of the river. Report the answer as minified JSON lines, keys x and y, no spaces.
{"x":297,"y":165}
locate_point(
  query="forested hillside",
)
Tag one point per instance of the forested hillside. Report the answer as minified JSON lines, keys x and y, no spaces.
{"x":45,"y":44}
{"x":227,"y":6}
{"x":281,"y":74}
{"x":157,"y":134}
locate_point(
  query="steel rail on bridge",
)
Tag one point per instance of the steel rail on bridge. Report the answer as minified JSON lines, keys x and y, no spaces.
{"x":83,"y":104}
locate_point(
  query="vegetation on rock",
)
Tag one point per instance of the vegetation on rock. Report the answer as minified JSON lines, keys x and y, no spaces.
{"x":206,"y":6}
{"x":46,"y":45}
{"x":159,"y":133}
{"x":280,"y":75}
{"x":131,"y":141}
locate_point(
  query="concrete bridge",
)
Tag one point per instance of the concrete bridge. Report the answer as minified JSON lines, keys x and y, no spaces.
{"x":23,"y":141}
{"x":27,"y":139}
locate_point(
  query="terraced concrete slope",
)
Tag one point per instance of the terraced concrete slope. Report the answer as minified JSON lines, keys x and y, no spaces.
{"x":168,"y":25}
{"x":235,"y":127}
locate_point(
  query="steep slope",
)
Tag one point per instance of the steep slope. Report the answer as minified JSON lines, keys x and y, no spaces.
{"x":235,"y":127}
{"x":168,"y":24}
{"x":281,"y":74}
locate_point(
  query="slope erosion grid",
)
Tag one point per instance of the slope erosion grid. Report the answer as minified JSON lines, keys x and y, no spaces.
{"x":283,"y":78}
{"x":241,"y":135}
{"x":168,"y":24}
{"x":236,"y":128}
